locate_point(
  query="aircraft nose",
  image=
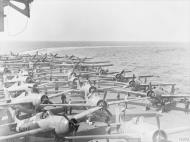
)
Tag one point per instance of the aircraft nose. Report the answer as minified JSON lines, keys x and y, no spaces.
{"x":62,"y":125}
{"x":45,"y":100}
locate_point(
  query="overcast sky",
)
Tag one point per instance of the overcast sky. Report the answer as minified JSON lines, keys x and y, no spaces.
{"x":101,"y":20}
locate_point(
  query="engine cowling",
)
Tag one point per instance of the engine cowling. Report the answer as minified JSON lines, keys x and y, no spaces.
{"x":150,"y":93}
{"x":92,"y":89}
{"x":118,"y":76}
{"x":102,"y":103}
{"x":132,"y":83}
{"x":73,"y":125}
{"x":66,"y":126}
{"x":29,"y":80}
{"x":40,"y":99}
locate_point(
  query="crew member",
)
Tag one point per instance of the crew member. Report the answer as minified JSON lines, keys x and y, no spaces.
{"x":118,"y":96}
{"x":163,"y":105}
{"x":35,"y":89}
{"x":56,"y":86}
{"x":63,"y":99}
{"x":187,"y":107}
{"x":70,"y":108}
{"x":147,"y":106}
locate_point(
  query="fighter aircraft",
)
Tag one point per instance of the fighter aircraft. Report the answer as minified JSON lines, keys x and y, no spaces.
{"x":136,"y":130}
{"x":158,"y":96}
{"x":19,"y":86}
{"x":74,"y":81}
{"x":70,"y":74}
{"x":82,"y":66}
{"x":24,"y":77}
{"x":29,"y":102}
{"x":87,"y":87}
{"x":92,"y":100}
{"x":134,"y":82}
{"x":45,"y":122}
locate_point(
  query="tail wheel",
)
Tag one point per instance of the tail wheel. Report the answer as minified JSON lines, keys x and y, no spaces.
{"x":159,"y":136}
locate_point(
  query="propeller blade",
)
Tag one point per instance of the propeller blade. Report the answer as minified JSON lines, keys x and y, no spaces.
{"x":108,"y":112}
{"x":105,"y":94}
{"x":158,"y":122}
{"x":150,"y":86}
{"x":134,"y":77}
{"x":123,"y":71}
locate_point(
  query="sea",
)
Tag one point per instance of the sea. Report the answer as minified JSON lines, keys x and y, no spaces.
{"x":169,"y":61}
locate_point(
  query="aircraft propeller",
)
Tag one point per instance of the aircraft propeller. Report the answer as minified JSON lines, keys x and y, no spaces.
{"x":45,"y":100}
{"x":159,"y":135}
{"x":73,"y":125}
{"x":102,"y":103}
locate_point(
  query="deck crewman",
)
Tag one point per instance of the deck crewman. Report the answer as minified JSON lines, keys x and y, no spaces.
{"x":63,"y":99}
{"x":187,"y":102}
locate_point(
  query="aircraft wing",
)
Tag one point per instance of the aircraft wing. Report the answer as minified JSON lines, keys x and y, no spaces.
{"x":59,"y":75}
{"x":69,"y":105}
{"x":97,"y":65}
{"x":64,"y":65}
{"x":146,"y":76}
{"x":137,"y":93}
{"x":14,"y":103}
{"x":22,"y":134}
{"x":159,"y":84}
{"x":95,"y":62}
{"x":104,"y":76}
{"x":44,"y":84}
{"x":88,"y":105}
{"x":106,"y":88}
{"x":17,"y":64}
{"x":127,"y":136}
{"x":59,"y":94}
{"x":175,"y":96}
{"x":41,"y":77}
{"x":177,"y":130}
{"x":86,"y":65}
{"x":86,"y":112}
{"x":125,"y":101}
{"x":51,"y":83}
